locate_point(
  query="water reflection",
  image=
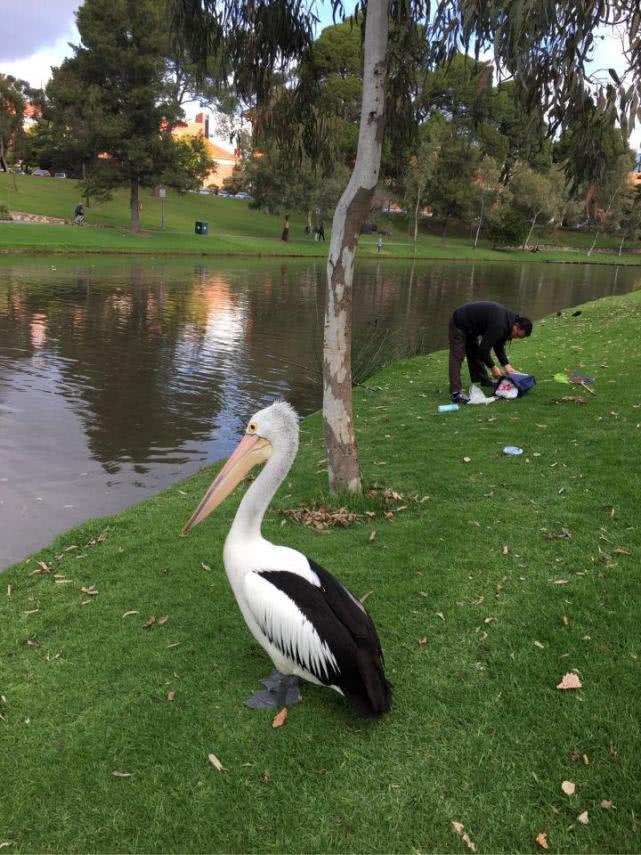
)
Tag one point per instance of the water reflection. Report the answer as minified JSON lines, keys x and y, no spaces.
{"x":119,"y":377}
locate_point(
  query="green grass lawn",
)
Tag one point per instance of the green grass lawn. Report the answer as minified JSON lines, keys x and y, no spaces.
{"x":234,"y":228}
{"x":481,"y":610}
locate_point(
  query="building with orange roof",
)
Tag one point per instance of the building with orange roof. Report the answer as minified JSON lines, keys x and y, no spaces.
{"x":226,"y":161}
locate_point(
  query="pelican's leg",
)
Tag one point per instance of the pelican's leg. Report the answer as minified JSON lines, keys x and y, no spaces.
{"x":281,"y":691}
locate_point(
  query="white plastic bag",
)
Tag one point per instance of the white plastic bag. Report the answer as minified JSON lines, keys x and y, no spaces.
{"x":477,"y":397}
{"x":506,"y":389}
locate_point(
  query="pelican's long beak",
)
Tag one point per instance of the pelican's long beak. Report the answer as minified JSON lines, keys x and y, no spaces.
{"x":251,"y":450}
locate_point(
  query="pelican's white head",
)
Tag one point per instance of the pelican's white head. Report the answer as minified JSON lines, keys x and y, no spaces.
{"x":272,"y":431}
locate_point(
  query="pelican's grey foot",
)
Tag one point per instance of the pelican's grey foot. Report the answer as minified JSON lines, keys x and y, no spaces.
{"x":281,"y":691}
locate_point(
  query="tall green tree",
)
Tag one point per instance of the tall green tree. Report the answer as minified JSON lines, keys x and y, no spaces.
{"x":114,"y":102}
{"x":536,"y":196}
{"x":13,"y":97}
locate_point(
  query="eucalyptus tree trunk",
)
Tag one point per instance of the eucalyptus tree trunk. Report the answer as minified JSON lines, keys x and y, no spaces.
{"x":529,"y":234}
{"x":593,"y":243}
{"x":416,"y":209}
{"x":621,"y":245}
{"x":134,"y":205}
{"x":340,"y":441}
{"x":478,"y":230}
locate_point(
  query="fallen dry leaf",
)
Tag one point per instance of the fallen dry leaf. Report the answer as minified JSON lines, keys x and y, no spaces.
{"x":90,"y":590}
{"x":6,"y":843}
{"x":574,"y":399}
{"x":365,"y":596}
{"x":280,"y":718}
{"x":163,"y":620}
{"x":215,"y":762}
{"x":150,"y":622}
{"x":560,"y":581}
{"x":321,"y":518}
{"x":607,"y":804}
{"x":121,"y":774}
{"x":539,"y":644}
{"x":467,"y":460}
{"x":372,"y":535}
{"x":621,"y":551}
{"x":542,"y":840}
{"x":570,"y":681}
{"x":266,"y":776}
{"x":563,"y":534}
{"x":506,"y":549}
{"x":131,"y":612}
{"x":422,"y":641}
{"x":566,"y":620}
{"x":459,"y":828}
{"x":568,"y":787}
{"x":583,"y":818}
{"x":171,"y":695}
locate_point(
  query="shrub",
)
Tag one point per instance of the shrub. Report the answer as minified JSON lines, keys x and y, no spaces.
{"x":506,"y":227}
{"x":4,"y":213}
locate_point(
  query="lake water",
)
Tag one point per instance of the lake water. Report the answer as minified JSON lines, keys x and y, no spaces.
{"x":120,"y":376}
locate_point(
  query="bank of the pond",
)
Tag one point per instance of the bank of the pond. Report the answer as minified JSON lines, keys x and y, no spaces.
{"x":236,"y":229}
{"x":489,"y":578}
{"x":45,"y":239}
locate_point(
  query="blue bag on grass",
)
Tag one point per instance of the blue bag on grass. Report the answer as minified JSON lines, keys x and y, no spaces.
{"x":521,"y":382}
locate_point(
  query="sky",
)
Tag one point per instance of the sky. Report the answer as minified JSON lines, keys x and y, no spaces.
{"x":37,"y":33}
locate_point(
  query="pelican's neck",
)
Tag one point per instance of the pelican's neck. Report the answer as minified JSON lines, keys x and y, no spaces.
{"x":250,"y":513}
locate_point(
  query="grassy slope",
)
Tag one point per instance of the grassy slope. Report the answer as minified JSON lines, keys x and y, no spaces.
{"x":479,"y":733}
{"x":233,"y":228}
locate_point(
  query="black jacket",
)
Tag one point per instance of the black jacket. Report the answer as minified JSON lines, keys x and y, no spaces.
{"x":492,"y":322}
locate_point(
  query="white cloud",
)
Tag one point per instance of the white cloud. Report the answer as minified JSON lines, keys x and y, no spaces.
{"x":36,"y":68}
{"x":33,"y":26}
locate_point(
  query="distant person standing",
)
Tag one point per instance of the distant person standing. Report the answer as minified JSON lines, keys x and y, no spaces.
{"x":321,"y":231}
{"x":285,"y":234}
{"x":379,"y":244}
{"x":79,"y":214}
{"x":476,"y":329}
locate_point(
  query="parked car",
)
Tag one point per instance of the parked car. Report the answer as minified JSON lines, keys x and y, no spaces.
{"x":41,"y":173}
{"x":203,"y":192}
{"x":242,"y":195}
{"x":60,"y":175}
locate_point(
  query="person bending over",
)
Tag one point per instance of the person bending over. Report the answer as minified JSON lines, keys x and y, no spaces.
{"x":475,"y":330}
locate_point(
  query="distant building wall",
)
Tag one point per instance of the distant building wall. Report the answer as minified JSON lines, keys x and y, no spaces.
{"x":226,"y":161}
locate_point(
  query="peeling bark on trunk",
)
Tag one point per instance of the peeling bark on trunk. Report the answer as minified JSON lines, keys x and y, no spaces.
{"x":134,"y":205}
{"x":340,"y":440}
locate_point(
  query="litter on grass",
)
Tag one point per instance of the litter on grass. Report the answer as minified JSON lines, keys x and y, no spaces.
{"x":477,"y":396}
{"x":514,"y":450}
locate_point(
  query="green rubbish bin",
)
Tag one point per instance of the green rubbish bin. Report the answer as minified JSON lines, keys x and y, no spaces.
{"x":201,"y":227}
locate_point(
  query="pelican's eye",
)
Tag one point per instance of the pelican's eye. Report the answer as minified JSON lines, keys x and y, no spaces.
{"x":251,"y":428}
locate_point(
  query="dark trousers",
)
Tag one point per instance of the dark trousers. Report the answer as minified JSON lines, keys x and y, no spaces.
{"x":464,"y":346}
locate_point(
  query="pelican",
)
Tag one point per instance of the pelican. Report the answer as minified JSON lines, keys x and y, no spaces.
{"x":309,"y":624}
